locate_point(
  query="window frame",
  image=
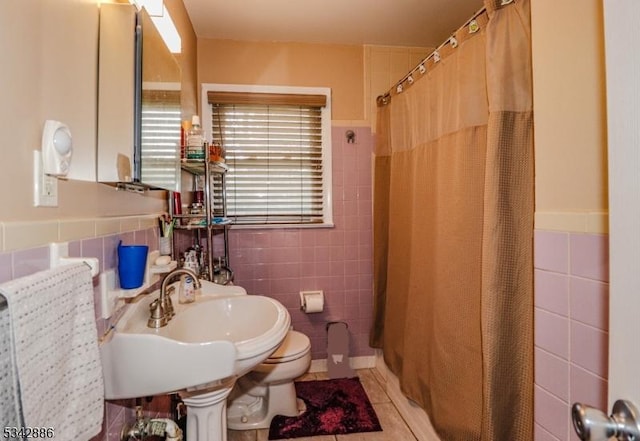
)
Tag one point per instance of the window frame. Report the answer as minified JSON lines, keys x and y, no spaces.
{"x":327,"y":190}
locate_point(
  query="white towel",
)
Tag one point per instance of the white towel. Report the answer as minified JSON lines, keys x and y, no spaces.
{"x":10,"y":413}
{"x":55,"y":351}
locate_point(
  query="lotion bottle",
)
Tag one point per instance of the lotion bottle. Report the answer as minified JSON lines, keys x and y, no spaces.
{"x":187,"y":291}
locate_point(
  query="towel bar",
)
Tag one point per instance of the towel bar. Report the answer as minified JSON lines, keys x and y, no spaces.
{"x":58,"y":255}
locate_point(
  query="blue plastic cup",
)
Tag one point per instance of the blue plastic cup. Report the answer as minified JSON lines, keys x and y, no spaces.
{"x":132,"y":262}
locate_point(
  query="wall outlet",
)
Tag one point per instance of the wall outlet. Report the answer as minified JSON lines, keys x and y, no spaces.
{"x":45,"y":187}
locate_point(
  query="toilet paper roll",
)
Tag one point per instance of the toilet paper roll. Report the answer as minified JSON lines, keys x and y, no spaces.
{"x":312,"y":302}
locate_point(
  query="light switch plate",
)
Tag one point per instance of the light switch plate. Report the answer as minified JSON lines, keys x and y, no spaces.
{"x":45,"y":187}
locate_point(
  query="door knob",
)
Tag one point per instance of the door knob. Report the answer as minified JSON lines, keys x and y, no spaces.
{"x":592,"y":424}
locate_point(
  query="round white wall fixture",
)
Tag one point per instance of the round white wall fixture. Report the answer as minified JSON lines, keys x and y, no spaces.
{"x":57,"y":148}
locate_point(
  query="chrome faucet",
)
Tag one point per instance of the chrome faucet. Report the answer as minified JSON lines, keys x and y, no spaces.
{"x":162,"y":309}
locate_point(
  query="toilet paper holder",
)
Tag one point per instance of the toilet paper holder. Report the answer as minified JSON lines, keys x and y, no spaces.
{"x":311,"y":301}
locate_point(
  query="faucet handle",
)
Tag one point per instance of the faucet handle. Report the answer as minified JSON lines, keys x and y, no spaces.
{"x":158,"y":317}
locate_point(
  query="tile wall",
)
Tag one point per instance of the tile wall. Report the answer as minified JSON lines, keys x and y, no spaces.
{"x":571,"y":328}
{"x":280,"y":263}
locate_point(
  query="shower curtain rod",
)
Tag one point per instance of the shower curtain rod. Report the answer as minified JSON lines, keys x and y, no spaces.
{"x":384,"y":99}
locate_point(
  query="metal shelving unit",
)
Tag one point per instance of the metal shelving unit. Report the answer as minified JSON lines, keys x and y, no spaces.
{"x":207,"y":223}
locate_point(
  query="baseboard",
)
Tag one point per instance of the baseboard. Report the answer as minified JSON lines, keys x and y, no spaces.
{"x":363,"y":362}
{"x":415,"y":417}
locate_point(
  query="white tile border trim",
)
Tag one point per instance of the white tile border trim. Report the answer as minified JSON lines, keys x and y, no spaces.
{"x":24,"y":235}
{"x":596,"y":222}
{"x":20,"y":235}
{"x":76,"y":229}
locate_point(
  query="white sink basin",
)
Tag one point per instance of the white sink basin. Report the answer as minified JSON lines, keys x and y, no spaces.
{"x":223,"y":334}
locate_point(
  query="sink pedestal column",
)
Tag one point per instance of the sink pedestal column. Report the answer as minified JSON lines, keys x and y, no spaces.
{"x":207,"y":415}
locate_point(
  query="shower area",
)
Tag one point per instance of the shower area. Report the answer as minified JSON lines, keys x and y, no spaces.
{"x":453,"y":230}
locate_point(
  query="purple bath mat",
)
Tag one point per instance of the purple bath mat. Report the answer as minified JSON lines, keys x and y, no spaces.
{"x":334,"y":407}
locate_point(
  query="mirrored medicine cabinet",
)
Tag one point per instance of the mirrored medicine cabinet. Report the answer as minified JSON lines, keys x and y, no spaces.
{"x":139,"y":111}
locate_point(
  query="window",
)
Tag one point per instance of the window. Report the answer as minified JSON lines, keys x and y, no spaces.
{"x":277,"y":147}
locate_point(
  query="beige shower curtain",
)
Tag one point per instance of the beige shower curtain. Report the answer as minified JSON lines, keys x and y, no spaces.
{"x":453,"y":226}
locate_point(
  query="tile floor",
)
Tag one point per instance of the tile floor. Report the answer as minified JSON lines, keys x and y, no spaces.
{"x":393,"y":426}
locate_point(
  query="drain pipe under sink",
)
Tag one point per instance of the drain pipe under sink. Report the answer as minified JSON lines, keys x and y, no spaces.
{"x":143,"y":428}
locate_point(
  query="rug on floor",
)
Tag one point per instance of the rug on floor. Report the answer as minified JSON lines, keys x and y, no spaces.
{"x":334,"y":407}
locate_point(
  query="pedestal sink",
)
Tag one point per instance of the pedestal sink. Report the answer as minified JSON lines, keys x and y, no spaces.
{"x":199,"y":354}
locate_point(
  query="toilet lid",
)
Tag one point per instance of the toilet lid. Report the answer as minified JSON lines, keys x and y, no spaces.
{"x":294,"y":345}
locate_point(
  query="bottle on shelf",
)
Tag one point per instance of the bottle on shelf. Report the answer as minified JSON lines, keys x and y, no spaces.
{"x":192,"y":259}
{"x":195,"y":140}
{"x":204,"y":267}
{"x":185,"y":126}
{"x":216,"y":152}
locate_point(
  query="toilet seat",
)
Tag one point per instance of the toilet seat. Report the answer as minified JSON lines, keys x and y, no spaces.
{"x":295,"y":345}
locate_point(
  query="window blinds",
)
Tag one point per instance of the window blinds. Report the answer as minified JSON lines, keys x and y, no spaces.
{"x":161,"y":120}
{"x":274,"y":153}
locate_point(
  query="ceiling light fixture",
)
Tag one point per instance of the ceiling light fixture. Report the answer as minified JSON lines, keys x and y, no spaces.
{"x":153,"y":7}
{"x":164,"y":24}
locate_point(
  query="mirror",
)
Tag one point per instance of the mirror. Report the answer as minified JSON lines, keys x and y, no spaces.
{"x":160,"y":118}
{"x":139,"y":112}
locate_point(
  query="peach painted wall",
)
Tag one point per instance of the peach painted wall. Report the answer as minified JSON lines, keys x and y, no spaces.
{"x":384,"y":66}
{"x":50,"y":72}
{"x":339,"y":67}
{"x":570,"y":113}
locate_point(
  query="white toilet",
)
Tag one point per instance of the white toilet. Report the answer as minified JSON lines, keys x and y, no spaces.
{"x":268,"y":390}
